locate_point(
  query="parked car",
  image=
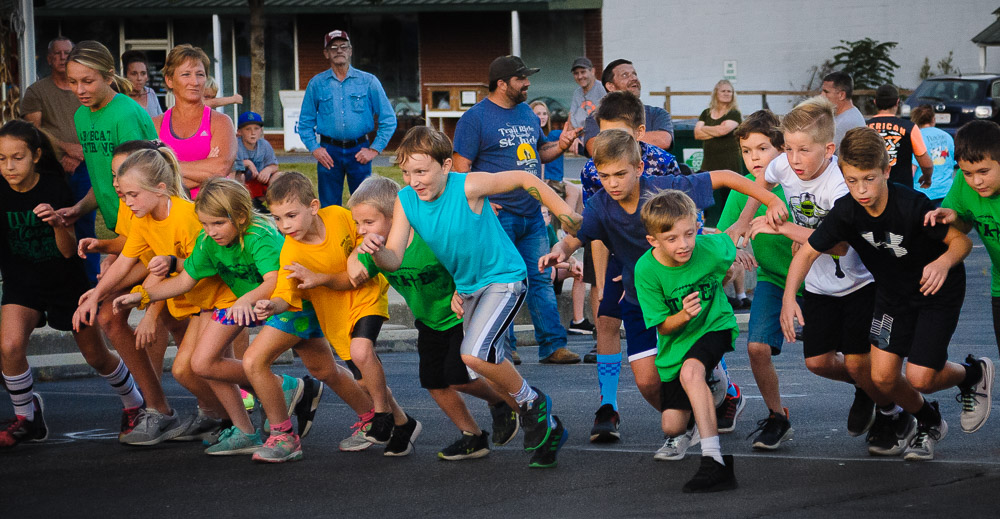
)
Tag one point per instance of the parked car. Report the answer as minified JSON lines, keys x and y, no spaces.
{"x":957,"y":99}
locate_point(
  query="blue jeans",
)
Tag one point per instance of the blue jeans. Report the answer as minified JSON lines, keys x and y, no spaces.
{"x":331,"y":181}
{"x":79,"y":184}
{"x":532,"y":241}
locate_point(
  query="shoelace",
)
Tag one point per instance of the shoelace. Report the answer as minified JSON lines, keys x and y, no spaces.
{"x":274,"y":439}
{"x":732,"y":403}
{"x":968,"y":400}
{"x":923,"y":433}
{"x":761,"y":426}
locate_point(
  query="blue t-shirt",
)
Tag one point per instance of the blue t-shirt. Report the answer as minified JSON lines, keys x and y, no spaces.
{"x":941,"y":150}
{"x":554,"y":169}
{"x":624,"y":234}
{"x":498,"y":139}
{"x":473,"y":247}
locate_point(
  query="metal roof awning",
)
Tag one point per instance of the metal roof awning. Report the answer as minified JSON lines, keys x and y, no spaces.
{"x":52,"y":8}
{"x":989,"y":36}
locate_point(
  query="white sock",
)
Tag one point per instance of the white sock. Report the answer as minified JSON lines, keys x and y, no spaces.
{"x":121,"y":381}
{"x":19,"y":387}
{"x":892,"y":412}
{"x":525,"y":394}
{"x":710,"y":447}
{"x":741,"y":296}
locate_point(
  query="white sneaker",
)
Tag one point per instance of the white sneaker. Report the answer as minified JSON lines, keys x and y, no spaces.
{"x":976,"y":402}
{"x":921,"y":447}
{"x":675,"y":447}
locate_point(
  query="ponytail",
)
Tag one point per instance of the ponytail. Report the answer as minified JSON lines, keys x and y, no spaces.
{"x":35,"y":140}
{"x":155,"y":167}
{"x":94,"y":55}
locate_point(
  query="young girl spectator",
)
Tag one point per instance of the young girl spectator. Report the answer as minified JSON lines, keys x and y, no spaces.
{"x":136,"y":70}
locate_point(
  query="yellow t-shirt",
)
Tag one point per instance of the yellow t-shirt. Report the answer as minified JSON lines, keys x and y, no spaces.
{"x":124,"y":224}
{"x":336,"y":310}
{"x":176,"y":236}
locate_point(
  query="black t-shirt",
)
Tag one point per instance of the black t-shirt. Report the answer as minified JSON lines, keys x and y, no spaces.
{"x":29,"y":257}
{"x":895,"y":246}
{"x":897,"y":133}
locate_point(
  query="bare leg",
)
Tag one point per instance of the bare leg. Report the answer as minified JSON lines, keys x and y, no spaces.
{"x":765,"y":375}
{"x":647,"y":378}
{"x":692,"y":379}
{"x":454,"y":408}
{"x":122,"y":337}
{"x":183,"y":373}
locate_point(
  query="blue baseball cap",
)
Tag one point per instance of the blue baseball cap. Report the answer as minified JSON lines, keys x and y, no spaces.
{"x":249,"y":117}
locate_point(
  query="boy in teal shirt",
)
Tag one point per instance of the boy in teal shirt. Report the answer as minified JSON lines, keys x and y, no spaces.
{"x":695,"y":325}
{"x":427,"y":287}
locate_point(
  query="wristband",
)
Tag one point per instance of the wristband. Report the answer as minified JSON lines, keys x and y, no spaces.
{"x":144,"y":301}
{"x":173,"y":264}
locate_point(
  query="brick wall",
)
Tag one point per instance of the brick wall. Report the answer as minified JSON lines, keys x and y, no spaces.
{"x":311,"y":59}
{"x":593,"y":38}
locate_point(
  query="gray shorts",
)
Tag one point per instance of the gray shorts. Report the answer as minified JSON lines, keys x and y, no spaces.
{"x":488,"y":313}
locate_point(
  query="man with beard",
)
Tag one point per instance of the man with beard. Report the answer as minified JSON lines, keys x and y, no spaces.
{"x":502,"y":133}
{"x":621,"y":75}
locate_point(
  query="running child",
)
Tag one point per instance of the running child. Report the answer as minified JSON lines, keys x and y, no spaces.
{"x":427,"y":287}
{"x":921,"y":287}
{"x":42,"y":278}
{"x":447,"y":210}
{"x":679,"y":286}
{"x":313,"y":262}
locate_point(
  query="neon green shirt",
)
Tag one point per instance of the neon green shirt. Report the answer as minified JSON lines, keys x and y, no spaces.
{"x":985,"y":214}
{"x":242,"y":269}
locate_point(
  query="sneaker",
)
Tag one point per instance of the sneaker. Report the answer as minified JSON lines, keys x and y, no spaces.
{"x":292,"y":388}
{"x":591,"y":356}
{"x":199,"y":426}
{"x":712,"y":477}
{"x":20,"y":429}
{"x":469,"y":446}
{"x":606,"y":422}
{"x":505,"y":423}
{"x":536,"y":420}
{"x":153,"y":427}
{"x":357,"y":441}
{"x":890,"y":435}
{"x":234,"y":441}
{"x":862,"y":413}
{"x":129,"y":417}
{"x":675,"y":447}
{"x":561,"y":356}
{"x":213,"y":437}
{"x":977,"y":400}
{"x":380,"y":430}
{"x":545,"y":457}
{"x":921,"y":447}
{"x":773,"y":430}
{"x":729,"y":411}
{"x":305,"y":409}
{"x":584,"y":327}
{"x":403,"y":436}
{"x":718,"y":384}
{"x":248,"y":400}
{"x":279,"y":449}
{"x":515,"y":358}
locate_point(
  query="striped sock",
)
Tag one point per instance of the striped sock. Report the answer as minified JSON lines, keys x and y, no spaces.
{"x":731,"y":390}
{"x":121,"y":381}
{"x":609,"y":368}
{"x":19,"y":387}
{"x":525,"y":394}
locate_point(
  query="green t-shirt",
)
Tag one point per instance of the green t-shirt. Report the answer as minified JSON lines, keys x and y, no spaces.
{"x":423,"y":282}
{"x":662,"y":289}
{"x":772,"y":251}
{"x":242,"y":269}
{"x":985,"y":214}
{"x":100,"y":133}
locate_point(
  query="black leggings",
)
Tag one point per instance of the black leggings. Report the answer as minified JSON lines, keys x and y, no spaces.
{"x":996,"y":320}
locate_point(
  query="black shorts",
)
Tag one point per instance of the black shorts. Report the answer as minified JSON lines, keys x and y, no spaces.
{"x":354,"y":367}
{"x":368,"y":327}
{"x":708,"y":350}
{"x":588,"y":266}
{"x":837,"y":323}
{"x":441,"y":356}
{"x":919,"y":329}
{"x":56,"y":308}
{"x":996,"y":320}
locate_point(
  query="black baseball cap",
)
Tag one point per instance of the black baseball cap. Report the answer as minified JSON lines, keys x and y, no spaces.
{"x":887,"y":93}
{"x":581,"y":62}
{"x":506,"y":67}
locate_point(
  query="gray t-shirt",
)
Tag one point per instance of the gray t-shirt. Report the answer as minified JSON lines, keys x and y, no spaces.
{"x":844,"y":122}
{"x":583,"y":105}
{"x":57,"y":107}
{"x":262,"y":155}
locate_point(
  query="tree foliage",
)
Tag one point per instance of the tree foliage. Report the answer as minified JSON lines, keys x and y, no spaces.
{"x":867,"y":61}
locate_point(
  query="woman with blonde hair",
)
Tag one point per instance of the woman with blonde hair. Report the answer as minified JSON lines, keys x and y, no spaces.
{"x":720,"y":149}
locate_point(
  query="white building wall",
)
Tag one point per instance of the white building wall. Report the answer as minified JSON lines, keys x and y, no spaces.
{"x":683,"y":43}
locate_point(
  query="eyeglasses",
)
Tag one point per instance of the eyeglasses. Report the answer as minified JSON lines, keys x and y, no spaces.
{"x":342,"y":46}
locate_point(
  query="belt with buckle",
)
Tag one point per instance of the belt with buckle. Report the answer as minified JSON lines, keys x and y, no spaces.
{"x":323,"y":139}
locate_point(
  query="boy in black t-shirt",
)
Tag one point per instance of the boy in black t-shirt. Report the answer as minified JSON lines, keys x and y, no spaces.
{"x":921,"y":286}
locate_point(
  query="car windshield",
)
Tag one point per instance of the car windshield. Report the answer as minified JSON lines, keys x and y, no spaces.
{"x":951,"y":91}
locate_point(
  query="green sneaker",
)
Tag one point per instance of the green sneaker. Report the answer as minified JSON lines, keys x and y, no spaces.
{"x":280,"y":448}
{"x":545,"y":456}
{"x":234,"y":441}
{"x":292,"y":388}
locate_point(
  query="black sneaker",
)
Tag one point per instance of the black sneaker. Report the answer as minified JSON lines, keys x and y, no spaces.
{"x":381,"y":429}
{"x":469,"y":446}
{"x":606,"y":422}
{"x":403,"y":436}
{"x":712,"y":477}
{"x":773,"y":430}
{"x":545,"y":457}
{"x":727,"y":413}
{"x":591,"y":356}
{"x":584,"y":327}
{"x":862,"y":414}
{"x":20,"y":429}
{"x":505,"y":425}
{"x":890,"y":435}
{"x":536,"y":420}
{"x":305,"y":410}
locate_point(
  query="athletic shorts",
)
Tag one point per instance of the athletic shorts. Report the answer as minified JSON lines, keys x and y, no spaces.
{"x":640,"y":340}
{"x":440,"y":354}
{"x":996,"y":319}
{"x":837,"y":323}
{"x":368,"y":327}
{"x":57,"y":308}
{"x":588,"y":266}
{"x":765,"y":316}
{"x":302,"y":324}
{"x":613,"y":290}
{"x":489,"y":311}
{"x":919,"y":329}
{"x":708,"y":350}
{"x":219,"y":316}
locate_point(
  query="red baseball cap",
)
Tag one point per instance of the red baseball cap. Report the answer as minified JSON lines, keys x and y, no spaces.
{"x":335,"y":35}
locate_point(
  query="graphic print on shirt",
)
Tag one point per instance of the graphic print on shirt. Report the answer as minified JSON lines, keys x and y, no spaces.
{"x":522,"y":137}
{"x":892,"y":134}
{"x":988,"y":227}
{"x":889,"y":241}
{"x":30,"y":238}
{"x":809,"y":214}
{"x":705,"y":287}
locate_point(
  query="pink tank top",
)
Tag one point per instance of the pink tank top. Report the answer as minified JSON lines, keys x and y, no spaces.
{"x":195,"y":147}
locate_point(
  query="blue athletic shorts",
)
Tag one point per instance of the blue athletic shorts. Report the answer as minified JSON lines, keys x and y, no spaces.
{"x":302,"y":324}
{"x":219,"y":316}
{"x":640,"y":340}
{"x":612,"y":290}
{"x":765,"y":316}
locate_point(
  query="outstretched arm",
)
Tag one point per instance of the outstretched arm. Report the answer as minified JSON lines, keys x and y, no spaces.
{"x":481,"y":185}
{"x":801,"y":263}
{"x":777,"y":212}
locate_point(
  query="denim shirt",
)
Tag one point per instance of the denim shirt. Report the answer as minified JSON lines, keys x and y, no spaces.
{"x":345,"y":110}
